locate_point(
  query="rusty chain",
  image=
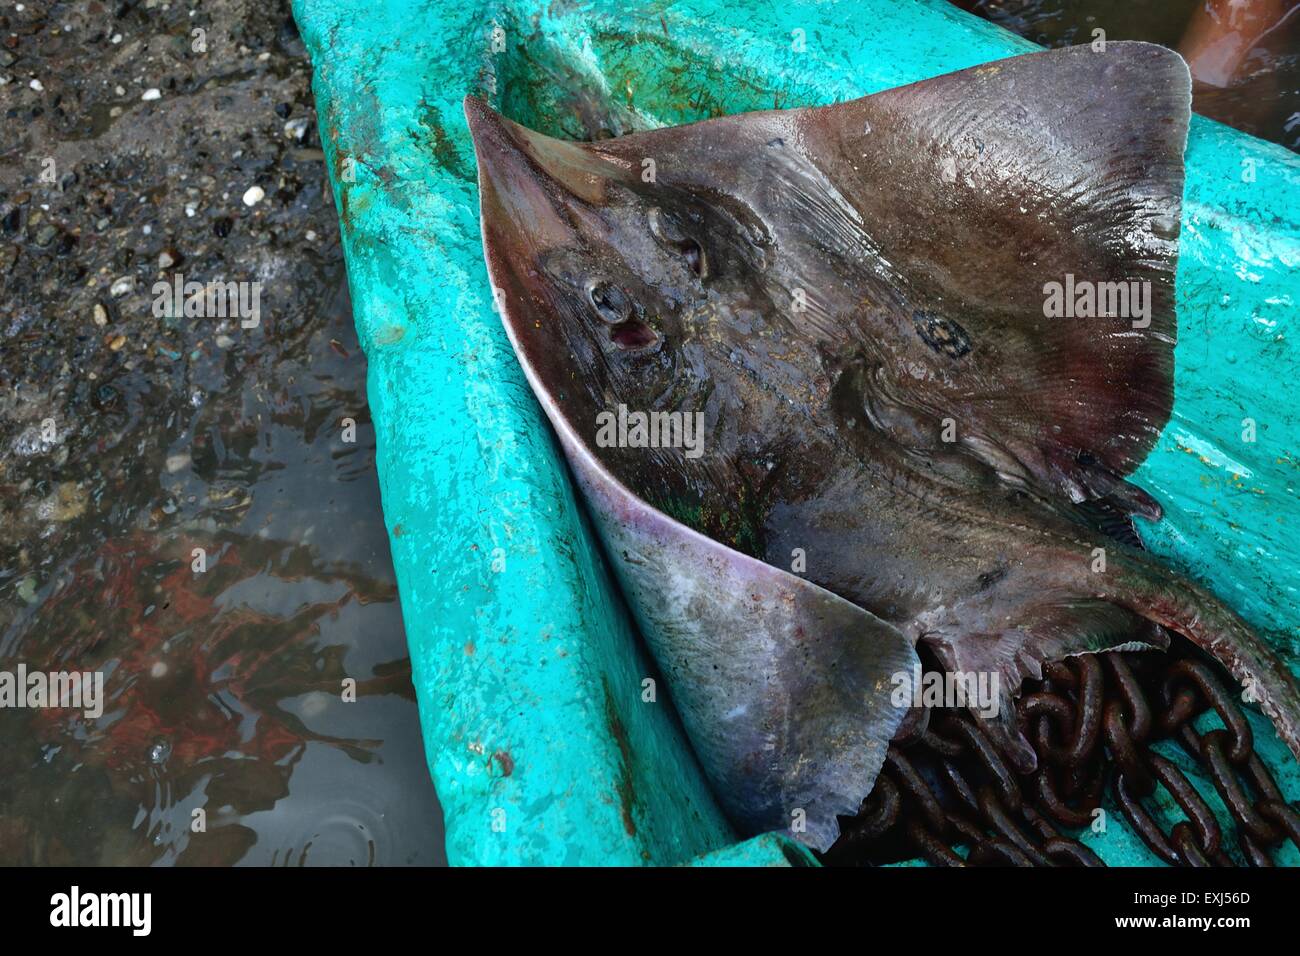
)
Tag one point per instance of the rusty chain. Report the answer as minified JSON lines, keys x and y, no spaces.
{"x":1091,"y":721}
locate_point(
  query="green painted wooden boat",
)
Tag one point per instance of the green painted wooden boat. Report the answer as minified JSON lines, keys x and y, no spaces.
{"x":527,"y":669}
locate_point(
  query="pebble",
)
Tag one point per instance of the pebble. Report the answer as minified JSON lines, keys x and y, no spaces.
{"x":297,"y":128}
{"x":37,"y":85}
{"x":153,"y":93}
{"x":27,"y":590}
{"x":99,"y":314}
{"x":46,"y":234}
{"x":166,"y":259}
{"x":66,"y":504}
{"x":122,"y":286}
{"x":254,"y":195}
{"x":117,"y":342}
{"x":224,"y":341}
{"x":159,"y":752}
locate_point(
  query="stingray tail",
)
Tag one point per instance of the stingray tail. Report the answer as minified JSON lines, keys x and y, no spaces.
{"x":1185,"y":608}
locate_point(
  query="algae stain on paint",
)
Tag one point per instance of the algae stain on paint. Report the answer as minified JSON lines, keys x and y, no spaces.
{"x":626,"y":789}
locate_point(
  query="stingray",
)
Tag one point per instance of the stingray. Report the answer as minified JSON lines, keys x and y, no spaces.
{"x":837,"y":382}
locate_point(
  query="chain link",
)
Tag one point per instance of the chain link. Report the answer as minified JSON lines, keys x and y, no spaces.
{"x":1091,"y":721}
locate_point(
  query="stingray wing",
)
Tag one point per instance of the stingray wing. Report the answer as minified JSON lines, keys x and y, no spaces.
{"x":990,"y":189}
{"x":787,"y":691}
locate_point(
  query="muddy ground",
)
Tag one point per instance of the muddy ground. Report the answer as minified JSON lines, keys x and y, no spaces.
{"x":142,"y":141}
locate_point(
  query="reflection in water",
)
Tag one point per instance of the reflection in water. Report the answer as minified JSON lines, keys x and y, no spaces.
{"x":224,"y":686}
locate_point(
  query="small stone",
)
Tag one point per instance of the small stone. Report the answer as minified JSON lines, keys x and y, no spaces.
{"x":311,"y":235}
{"x":160,"y":751}
{"x":66,"y":504}
{"x":166,"y":259}
{"x":99,"y":314}
{"x":27,"y":590}
{"x":296,"y":128}
{"x":37,"y":85}
{"x":224,"y":341}
{"x":254,"y":195}
{"x":46,"y":234}
{"x":116,"y":343}
{"x":121,"y":286}
{"x":153,"y":93}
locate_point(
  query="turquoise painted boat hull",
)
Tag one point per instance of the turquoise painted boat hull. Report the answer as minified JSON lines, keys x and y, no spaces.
{"x":528,"y":672}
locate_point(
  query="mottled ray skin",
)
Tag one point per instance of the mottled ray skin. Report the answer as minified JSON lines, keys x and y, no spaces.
{"x":840,"y":291}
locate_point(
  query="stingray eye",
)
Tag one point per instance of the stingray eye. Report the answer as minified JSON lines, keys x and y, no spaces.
{"x":945,"y":336}
{"x":610,"y":302}
{"x":615,"y":309}
{"x":669,"y":234}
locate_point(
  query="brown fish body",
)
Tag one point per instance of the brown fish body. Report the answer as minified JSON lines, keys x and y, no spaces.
{"x":852,"y":301}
